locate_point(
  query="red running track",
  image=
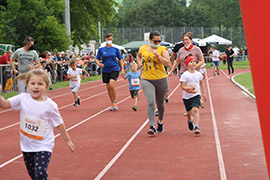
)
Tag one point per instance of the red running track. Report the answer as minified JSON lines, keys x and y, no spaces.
{"x":114,"y":145}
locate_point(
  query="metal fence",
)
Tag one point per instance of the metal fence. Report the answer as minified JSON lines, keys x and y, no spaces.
{"x":123,"y":35}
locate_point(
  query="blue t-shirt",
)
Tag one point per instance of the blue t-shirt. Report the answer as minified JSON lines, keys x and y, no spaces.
{"x":133,"y":80}
{"x":110,"y":57}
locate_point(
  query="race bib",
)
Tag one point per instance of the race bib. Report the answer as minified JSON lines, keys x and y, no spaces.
{"x":32,"y":128}
{"x":135,"y":82}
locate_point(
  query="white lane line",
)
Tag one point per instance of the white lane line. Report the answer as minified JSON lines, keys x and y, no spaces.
{"x":104,"y":92}
{"x":116,"y":157}
{"x":222,"y":170}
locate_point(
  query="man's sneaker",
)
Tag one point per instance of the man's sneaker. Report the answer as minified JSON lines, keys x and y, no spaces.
{"x":197,"y":130}
{"x":156,"y":112}
{"x":202,"y":104}
{"x":76,"y":104}
{"x":134,"y":108}
{"x":115,"y":107}
{"x":79,"y":101}
{"x":190,"y":124}
{"x":151,"y":130}
{"x":160,"y":128}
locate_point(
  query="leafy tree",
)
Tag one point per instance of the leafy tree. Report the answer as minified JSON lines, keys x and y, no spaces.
{"x":35,"y":18}
{"x":85,"y":15}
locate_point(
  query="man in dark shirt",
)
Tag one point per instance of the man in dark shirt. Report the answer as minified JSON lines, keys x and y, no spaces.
{"x":230,"y":53}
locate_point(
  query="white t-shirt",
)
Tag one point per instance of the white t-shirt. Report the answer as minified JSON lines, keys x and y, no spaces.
{"x":37,"y":119}
{"x":76,"y":80}
{"x":191,"y":79}
{"x":215,"y":55}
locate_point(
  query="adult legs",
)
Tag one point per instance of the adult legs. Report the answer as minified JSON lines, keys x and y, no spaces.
{"x":111,"y":90}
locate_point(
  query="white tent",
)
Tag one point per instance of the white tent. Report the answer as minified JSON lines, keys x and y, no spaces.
{"x":214,"y":39}
{"x":113,"y":45}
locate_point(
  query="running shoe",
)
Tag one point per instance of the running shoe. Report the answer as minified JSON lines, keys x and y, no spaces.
{"x":197,"y":130}
{"x":76,"y":104}
{"x":134,"y":108}
{"x":156,"y":112}
{"x":160,"y":128}
{"x":202,"y":104}
{"x":185,"y":114}
{"x":115,"y":106}
{"x":79,"y":100}
{"x":190,"y":124}
{"x":167,"y":100}
{"x":111,"y":108}
{"x":151,"y":130}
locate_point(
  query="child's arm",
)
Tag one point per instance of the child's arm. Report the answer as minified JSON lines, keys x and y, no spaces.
{"x":124,"y":76}
{"x":187,"y":88}
{"x":203,"y":93}
{"x":4,"y":104}
{"x":86,"y":72}
{"x":62,"y":130}
{"x":69,"y":76}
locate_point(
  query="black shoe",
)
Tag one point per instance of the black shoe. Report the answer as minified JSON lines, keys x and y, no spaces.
{"x":160,"y":128}
{"x":76,"y":104}
{"x":166,"y":100}
{"x":190,"y":125}
{"x":134,"y":108}
{"x":151,"y":130}
{"x":79,"y":101}
{"x":197,"y":130}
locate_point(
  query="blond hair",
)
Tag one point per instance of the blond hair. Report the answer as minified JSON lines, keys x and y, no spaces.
{"x":133,"y":64}
{"x":35,"y":72}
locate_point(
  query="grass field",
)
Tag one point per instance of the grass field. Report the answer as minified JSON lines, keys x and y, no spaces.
{"x":245,"y":80}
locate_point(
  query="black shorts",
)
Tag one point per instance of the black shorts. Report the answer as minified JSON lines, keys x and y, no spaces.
{"x":106,"y":77}
{"x":192,"y":102}
{"x":134,"y":93}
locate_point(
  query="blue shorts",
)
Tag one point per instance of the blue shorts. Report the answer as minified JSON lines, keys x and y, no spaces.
{"x":215,"y":63}
{"x":192,"y":102}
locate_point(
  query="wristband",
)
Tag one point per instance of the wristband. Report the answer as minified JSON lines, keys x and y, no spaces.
{"x":157,"y":56}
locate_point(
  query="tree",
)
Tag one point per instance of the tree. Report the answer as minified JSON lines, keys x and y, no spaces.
{"x":41,"y":22}
{"x":85,"y":15}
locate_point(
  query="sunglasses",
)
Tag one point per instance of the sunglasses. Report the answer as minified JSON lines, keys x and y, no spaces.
{"x":157,"y":41}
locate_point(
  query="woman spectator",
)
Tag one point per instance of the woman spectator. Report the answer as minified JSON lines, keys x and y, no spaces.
{"x":110,"y":57}
{"x":154,"y":78}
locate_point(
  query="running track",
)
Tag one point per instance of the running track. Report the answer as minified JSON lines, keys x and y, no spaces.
{"x":114,"y":145}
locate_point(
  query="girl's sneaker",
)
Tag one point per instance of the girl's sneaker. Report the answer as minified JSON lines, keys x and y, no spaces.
{"x":190,"y":124}
{"x":151,"y":130}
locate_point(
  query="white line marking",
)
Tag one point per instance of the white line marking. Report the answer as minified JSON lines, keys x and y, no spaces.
{"x":116,"y":157}
{"x":222,"y":170}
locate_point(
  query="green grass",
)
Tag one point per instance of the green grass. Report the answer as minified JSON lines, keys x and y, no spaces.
{"x":245,"y":80}
{"x":56,"y":86}
{"x":236,"y":65}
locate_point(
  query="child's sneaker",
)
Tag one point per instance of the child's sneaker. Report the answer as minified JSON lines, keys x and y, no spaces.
{"x":151,"y":130}
{"x":166,"y":100}
{"x":79,"y":100}
{"x":197,"y":130}
{"x":134,"y":108}
{"x":190,"y":124}
{"x":160,"y":128}
{"x":115,"y":107}
{"x":202,"y":104}
{"x":156,"y":112}
{"x":185,"y":114}
{"x":76,"y":104}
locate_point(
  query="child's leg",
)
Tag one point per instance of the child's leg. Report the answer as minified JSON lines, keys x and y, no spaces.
{"x":42,"y":160}
{"x":135,"y":100}
{"x":196,"y":115}
{"x":75,"y":94}
{"x":29,"y":163}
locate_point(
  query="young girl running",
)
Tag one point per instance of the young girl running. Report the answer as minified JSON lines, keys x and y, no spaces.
{"x":38,"y":115}
{"x":74,"y":74}
{"x":192,"y":85}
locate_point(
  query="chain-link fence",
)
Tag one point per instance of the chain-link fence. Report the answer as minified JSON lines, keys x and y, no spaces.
{"x":123,"y":35}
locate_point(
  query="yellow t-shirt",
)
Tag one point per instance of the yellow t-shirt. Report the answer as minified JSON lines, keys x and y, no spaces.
{"x":153,"y":69}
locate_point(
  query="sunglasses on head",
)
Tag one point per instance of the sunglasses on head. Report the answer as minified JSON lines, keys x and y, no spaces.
{"x":157,"y":41}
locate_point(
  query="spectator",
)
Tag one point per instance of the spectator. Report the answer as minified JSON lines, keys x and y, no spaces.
{"x":215,"y":60}
{"x":236,"y":51}
{"x":230,"y":54}
{"x":5,"y":60}
{"x":27,"y":58}
{"x":246,"y":53}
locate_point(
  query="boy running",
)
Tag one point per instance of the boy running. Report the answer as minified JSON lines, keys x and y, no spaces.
{"x":192,"y":85}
